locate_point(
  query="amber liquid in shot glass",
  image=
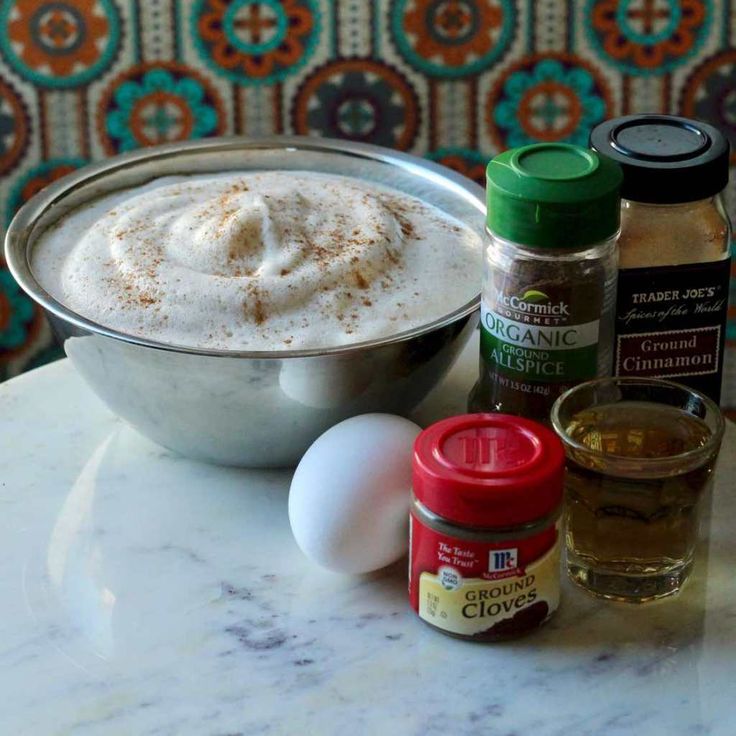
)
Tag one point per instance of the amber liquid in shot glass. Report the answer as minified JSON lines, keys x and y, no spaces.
{"x":638,"y":468}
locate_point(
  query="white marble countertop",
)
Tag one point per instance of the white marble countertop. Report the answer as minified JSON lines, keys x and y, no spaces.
{"x":144,"y":594}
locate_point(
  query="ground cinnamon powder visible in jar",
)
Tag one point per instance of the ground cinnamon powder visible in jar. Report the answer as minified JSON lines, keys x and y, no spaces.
{"x":673,"y":282}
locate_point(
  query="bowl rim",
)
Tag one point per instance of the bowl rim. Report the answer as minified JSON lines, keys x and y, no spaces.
{"x":21,"y":228}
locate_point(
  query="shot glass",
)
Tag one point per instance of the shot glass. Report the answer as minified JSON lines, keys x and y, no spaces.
{"x":640,"y":459}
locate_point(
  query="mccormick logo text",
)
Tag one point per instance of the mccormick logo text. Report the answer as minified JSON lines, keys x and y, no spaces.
{"x":534,"y":302}
{"x":503,"y":560}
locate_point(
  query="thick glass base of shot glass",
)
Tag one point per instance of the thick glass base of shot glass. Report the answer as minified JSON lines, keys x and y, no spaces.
{"x":629,"y":586}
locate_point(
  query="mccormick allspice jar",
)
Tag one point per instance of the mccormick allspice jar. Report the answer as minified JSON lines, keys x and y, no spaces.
{"x":485,"y":539}
{"x":550,"y":276}
{"x":673,"y":281}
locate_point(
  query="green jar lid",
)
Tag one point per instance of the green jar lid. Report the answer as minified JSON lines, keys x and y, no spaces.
{"x":553,"y":195}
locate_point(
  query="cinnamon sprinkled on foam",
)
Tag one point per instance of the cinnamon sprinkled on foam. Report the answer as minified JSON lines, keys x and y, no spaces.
{"x":259,"y":261}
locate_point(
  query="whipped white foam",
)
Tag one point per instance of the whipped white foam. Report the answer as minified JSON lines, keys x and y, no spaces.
{"x":259,"y":261}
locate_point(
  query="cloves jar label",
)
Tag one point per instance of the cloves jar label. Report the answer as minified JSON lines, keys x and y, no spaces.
{"x":480,"y":589}
{"x":671,"y":322}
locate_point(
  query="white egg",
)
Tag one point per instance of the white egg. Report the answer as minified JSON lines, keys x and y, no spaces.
{"x":350,"y":495}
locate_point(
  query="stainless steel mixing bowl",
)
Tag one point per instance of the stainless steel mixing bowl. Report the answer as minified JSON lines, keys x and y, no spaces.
{"x":256,"y":409}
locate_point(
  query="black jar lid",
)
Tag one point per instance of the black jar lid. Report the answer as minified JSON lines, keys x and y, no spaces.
{"x":665,"y":159}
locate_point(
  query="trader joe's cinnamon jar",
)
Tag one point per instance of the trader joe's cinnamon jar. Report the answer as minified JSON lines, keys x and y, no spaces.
{"x":485,"y":539}
{"x":672,"y":297}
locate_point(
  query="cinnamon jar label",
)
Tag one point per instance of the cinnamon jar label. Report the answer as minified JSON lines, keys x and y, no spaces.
{"x":671,"y":323}
{"x":480,"y":589}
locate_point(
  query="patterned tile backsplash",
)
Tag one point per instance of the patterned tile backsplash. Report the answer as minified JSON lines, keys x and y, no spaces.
{"x":453,"y":80}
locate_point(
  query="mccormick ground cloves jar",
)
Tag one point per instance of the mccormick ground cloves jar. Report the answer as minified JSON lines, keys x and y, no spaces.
{"x":673,"y":282}
{"x":484,"y":532}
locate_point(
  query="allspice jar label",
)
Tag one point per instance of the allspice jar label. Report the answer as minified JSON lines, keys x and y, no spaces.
{"x":671,"y":323}
{"x":484,"y":590}
{"x":540,"y":335}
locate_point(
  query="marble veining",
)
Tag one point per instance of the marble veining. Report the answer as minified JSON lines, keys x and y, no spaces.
{"x":143,"y":593}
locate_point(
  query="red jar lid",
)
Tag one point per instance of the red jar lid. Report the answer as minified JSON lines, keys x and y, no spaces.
{"x":489,"y":470}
